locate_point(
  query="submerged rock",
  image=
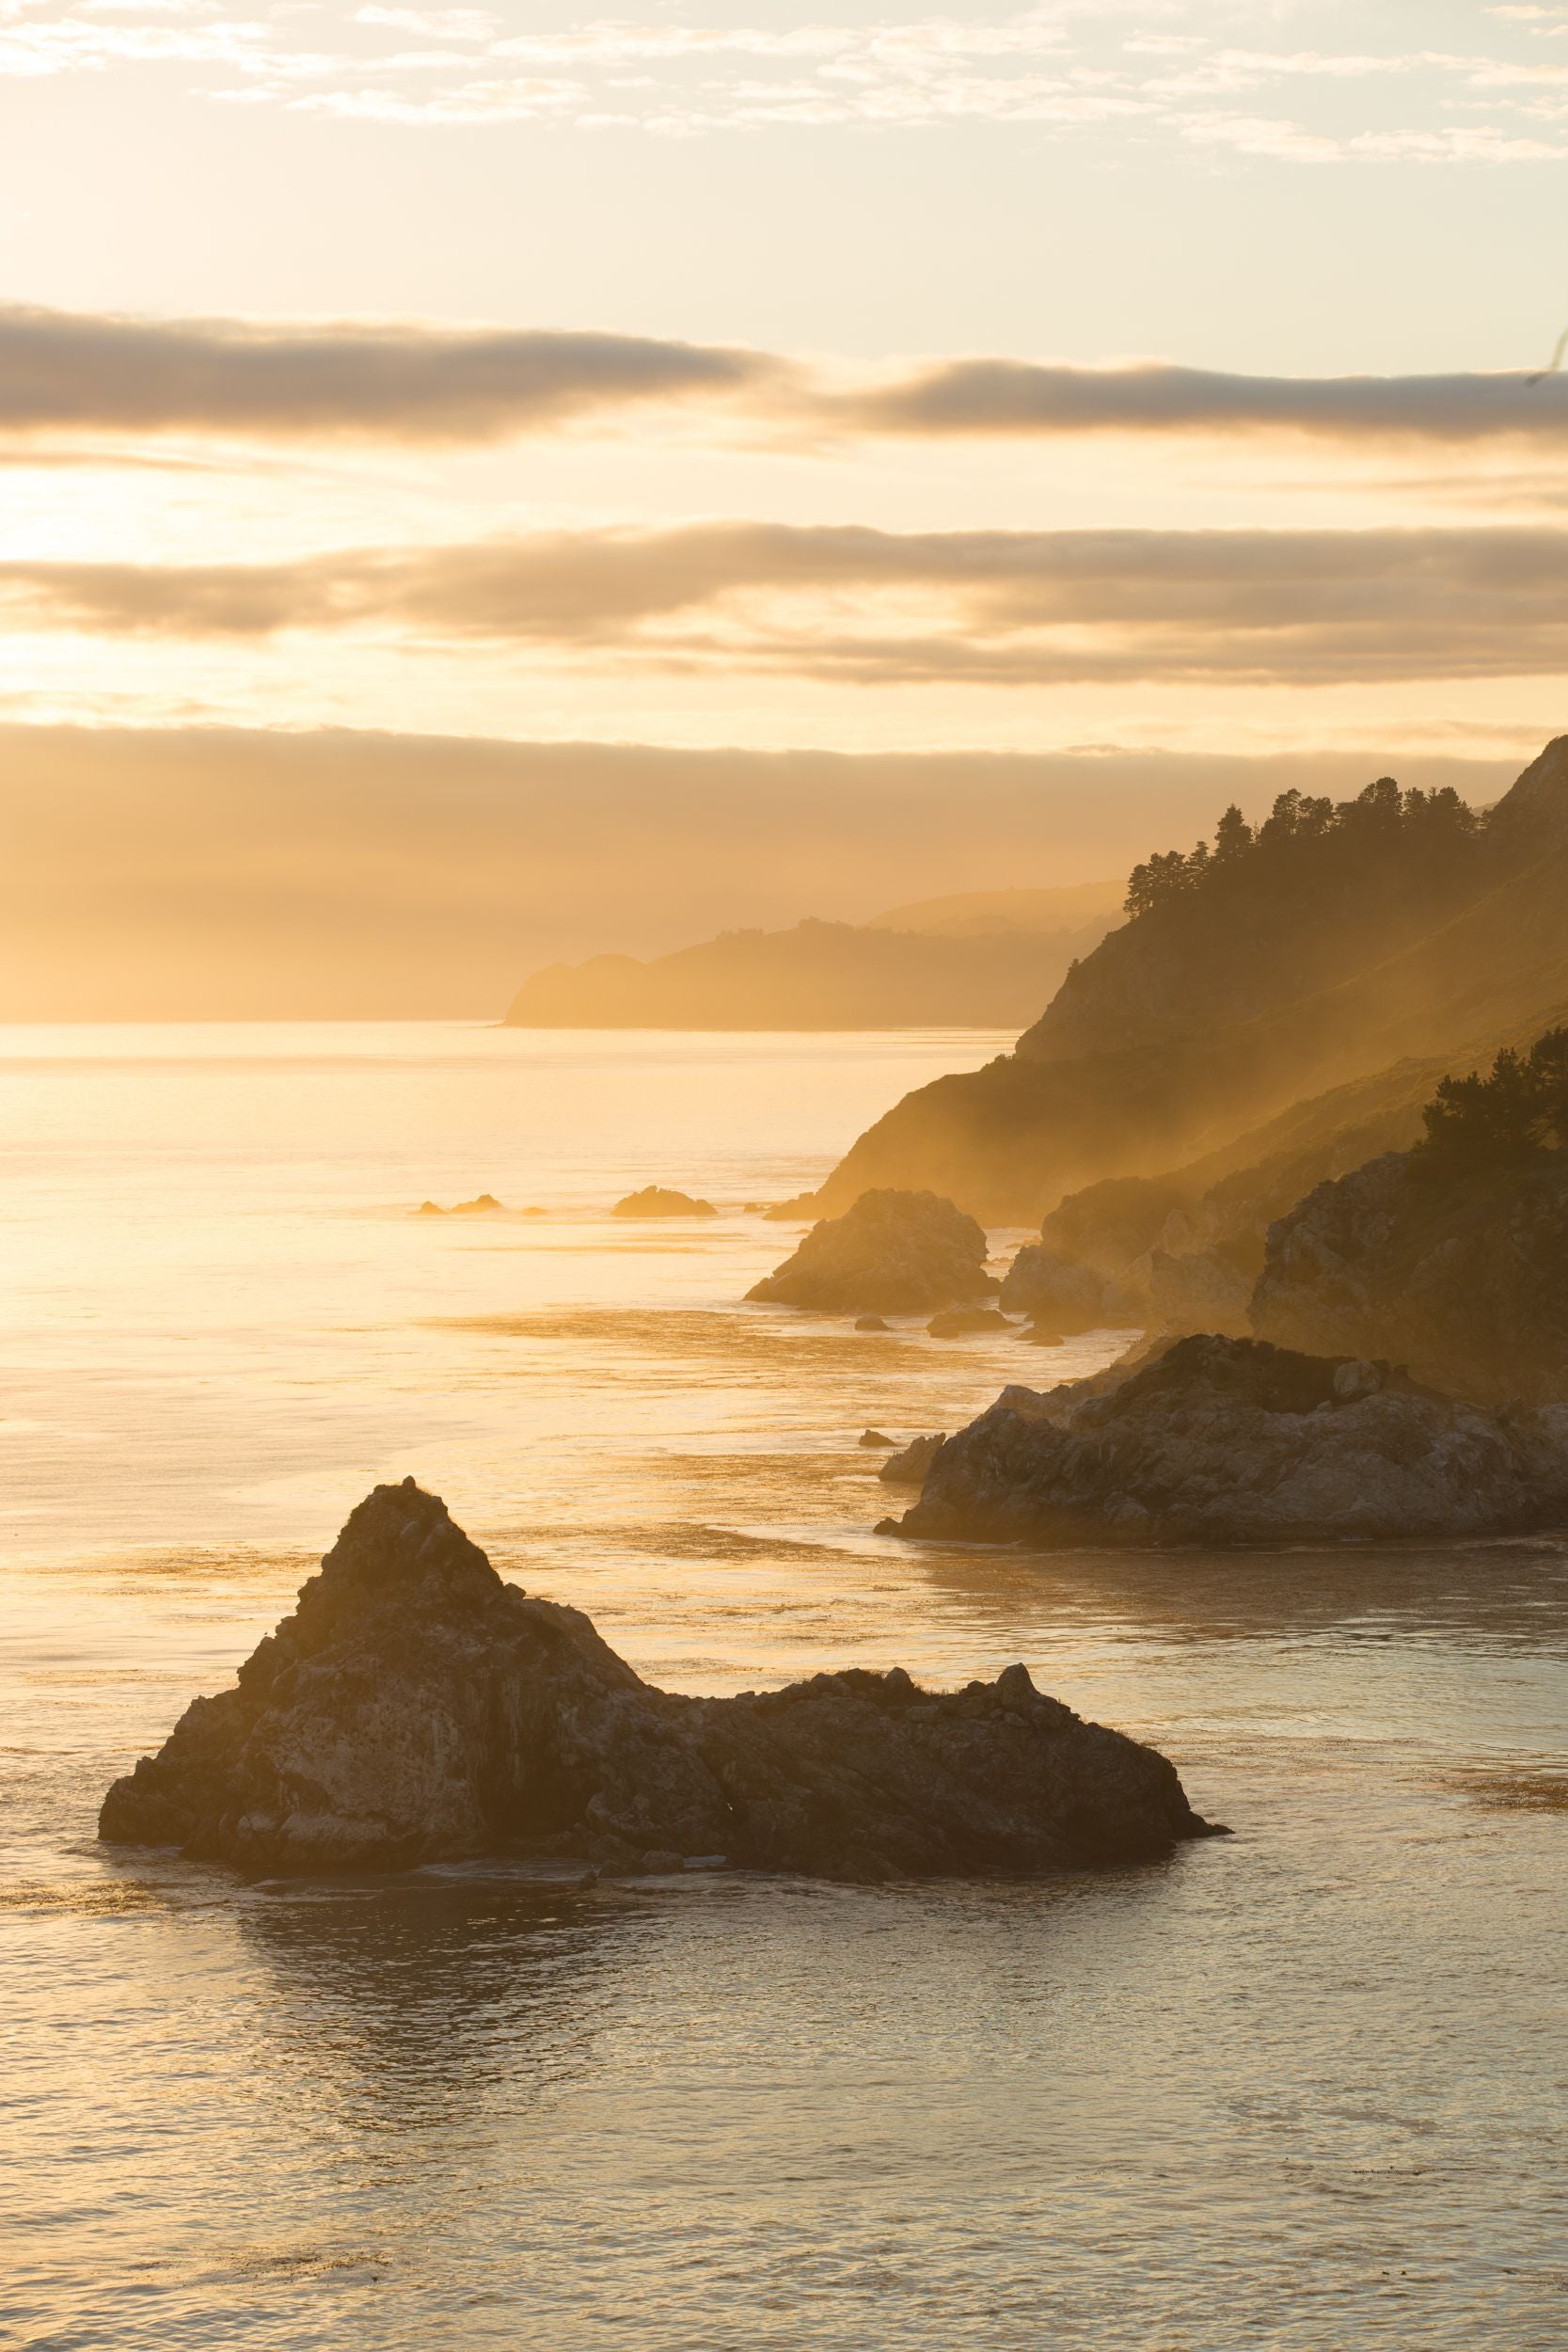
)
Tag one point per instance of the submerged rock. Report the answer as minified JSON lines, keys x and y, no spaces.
{"x":1222,"y":1442}
{"x":893,"y":1253}
{"x":909,"y":1467}
{"x":655,"y":1201}
{"x":415,"y":1708}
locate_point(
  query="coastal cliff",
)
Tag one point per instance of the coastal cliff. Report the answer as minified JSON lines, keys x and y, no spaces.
{"x":1333,"y":946}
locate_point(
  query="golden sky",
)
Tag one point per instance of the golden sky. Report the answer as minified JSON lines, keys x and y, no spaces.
{"x":1145,"y":377}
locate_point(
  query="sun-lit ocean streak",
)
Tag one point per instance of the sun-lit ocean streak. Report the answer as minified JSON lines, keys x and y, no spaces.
{"x":1300,"y":2089}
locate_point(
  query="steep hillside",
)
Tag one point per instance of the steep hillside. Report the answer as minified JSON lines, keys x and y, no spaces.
{"x":836,"y":976}
{"x":1270,"y":970}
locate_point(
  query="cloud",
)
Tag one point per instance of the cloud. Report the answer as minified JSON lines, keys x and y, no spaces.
{"x":67,"y":371}
{"x":880,"y":608}
{"x":1015,"y":396}
{"x":65,"y":374}
{"x":1064,"y":66}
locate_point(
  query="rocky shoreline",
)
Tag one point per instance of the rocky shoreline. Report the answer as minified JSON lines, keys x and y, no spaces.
{"x":1228,"y":1443}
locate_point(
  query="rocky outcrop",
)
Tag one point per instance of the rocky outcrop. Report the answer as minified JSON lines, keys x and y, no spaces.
{"x":893,"y":1253}
{"x":1222,"y":1442}
{"x":415,"y":1708}
{"x":484,"y":1205}
{"x":1070,"y":1297}
{"x":655,"y":1201}
{"x":1463,"y":1275}
{"x":909,"y":1467}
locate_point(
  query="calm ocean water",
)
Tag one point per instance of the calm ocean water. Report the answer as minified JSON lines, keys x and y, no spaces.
{"x":1305,"y":2088}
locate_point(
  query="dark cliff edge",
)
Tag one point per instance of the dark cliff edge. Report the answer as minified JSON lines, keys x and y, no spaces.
{"x":416,"y":1707}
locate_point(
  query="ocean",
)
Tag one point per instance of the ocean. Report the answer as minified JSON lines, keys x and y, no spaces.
{"x":1302,"y":2088}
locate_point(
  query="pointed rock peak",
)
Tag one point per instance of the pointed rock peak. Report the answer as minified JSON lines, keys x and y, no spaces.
{"x":400,"y":1536}
{"x":1014,"y":1686}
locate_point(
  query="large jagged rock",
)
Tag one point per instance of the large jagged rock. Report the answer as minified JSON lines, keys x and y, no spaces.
{"x":416,"y":1707}
{"x":1463,"y":1275}
{"x":1222,"y":1442}
{"x":893,"y":1253}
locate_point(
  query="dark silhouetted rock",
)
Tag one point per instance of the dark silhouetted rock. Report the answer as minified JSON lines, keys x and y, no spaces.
{"x":1221,"y":1441}
{"x":485,"y":1205}
{"x":875,"y":1437}
{"x":872,"y":1322}
{"x":1463,"y":1275}
{"x":909,"y":1467}
{"x":962,"y":1323}
{"x":1041,"y":1335}
{"x":893,"y":1253}
{"x":654,"y":1200}
{"x":415,"y":1708}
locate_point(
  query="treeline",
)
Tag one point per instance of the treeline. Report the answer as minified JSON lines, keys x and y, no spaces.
{"x":1306,"y":845}
{"x":1518,"y":1112}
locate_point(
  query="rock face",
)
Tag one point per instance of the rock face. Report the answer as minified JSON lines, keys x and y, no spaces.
{"x":654,"y":1200}
{"x":909,"y":1467}
{"x":1222,"y":1442}
{"x":893,"y":1253}
{"x":1070,"y":1297}
{"x":416,"y":1707}
{"x":1462,"y":1277}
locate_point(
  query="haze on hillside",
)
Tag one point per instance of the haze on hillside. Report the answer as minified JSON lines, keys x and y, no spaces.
{"x":983,"y":959}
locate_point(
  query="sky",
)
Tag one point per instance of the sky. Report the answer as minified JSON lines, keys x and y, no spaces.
{"x":1097,"y":382}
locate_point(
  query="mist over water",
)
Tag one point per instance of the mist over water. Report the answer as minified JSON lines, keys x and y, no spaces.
{"x":1303,"y":2088}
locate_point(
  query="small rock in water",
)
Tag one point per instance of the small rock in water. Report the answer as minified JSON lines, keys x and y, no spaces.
{"x":875,"y":1437}
{"x":801,"y":1209}
{"x":656,"y":1201}
{"x":872,"y":1322}
{"x":1041,"y":1335}
{"x":485,"y":1205}
{"x":959,"y":1323}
